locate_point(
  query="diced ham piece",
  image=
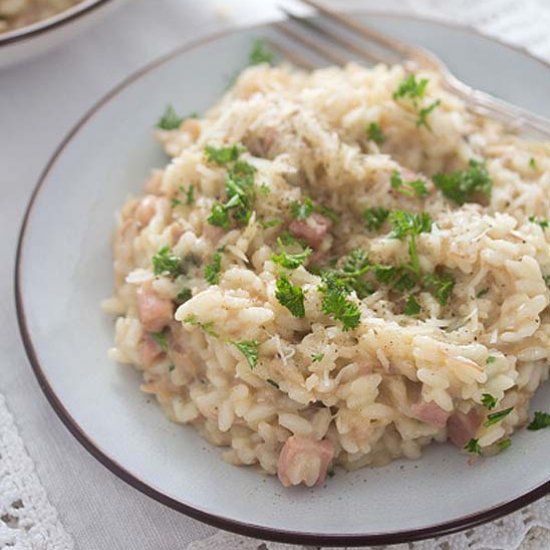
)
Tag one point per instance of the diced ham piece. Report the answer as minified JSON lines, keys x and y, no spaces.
{"x":304,"y":460}
{"x":463,"y":427}
{"x":154,"y":312}
{"x":149,"y":350}
{"x":313,"y":230}
{"x":430,"y":413}
{"x":146,"y":209}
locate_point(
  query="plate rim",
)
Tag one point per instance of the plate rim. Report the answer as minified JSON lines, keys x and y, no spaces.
{"x":236,"y":526}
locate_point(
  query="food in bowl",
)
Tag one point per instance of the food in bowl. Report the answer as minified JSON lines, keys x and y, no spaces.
{"x":15,"y":14}
{"x":338,"y":268}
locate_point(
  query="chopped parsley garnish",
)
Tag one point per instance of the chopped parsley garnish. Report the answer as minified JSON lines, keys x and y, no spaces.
{"x":161,"y":339}
{"x":464,"y":186}
{"x":482,"y":292}
{"x":533,"y":163}
{"x":411,"y":88}
{"x":166,"y":263}
{"x":328,"y":213}
{"x":490,"y":359}
{"x":375,"y":217}
{"x":302,"y":210}
{"x":174,"y":202}
{"x":184,"y":295}
{"x":260,"y":54}
{"x":423,"y":114}
{"x":546,"y":279}
{"x":273,"y":383}
{"x":440,"y":285}
{"x":249,"y":348}
{"x":266,"y":224}
{"x":290,"y":296}
{"x":190,"y":194}
{"x":408,"y":188}
{"x":539,"y":422}
{"x":406,"y":224}
{"x":288,"y":260}
{"x":350,"y":277}
{"x":219,"y":216}
{"x":473,"y":447}
{"x":374,"y":133}
{"x":212,"y":270}
{"x":496,"y":417}
{"x":543,"y":222}
{"x":169,"y":120}
{"x":222,"y":155}
{"x":171,"y":368}
{"x":207,"y":327}
{"x":316,"y":357}
{"x":412,"y":307}
{"x":504,"y":444}
{"x":489,"y":401}
{"x":336,"y":304}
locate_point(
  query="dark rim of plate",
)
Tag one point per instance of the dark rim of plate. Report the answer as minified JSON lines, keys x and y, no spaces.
{"x":50,"y":23}
{"x":267,"y":533}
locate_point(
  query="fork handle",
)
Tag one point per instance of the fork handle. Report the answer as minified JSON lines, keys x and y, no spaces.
{"x":514,"y":117}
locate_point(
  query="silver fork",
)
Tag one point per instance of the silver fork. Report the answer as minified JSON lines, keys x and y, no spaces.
{"x":320,"y":40}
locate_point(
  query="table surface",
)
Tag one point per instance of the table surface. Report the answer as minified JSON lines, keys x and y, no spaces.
{"x":40,"y":100}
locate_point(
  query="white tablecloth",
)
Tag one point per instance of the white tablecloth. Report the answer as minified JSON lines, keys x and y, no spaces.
{"x":53,"y":494}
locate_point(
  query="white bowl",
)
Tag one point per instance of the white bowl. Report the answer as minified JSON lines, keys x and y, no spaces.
{"x":40,"y":37}
{"x":64,"y":270}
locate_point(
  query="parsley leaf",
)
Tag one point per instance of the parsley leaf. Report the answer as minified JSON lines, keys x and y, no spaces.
{"x":219,"y":216}
{"x":407,"y":224}
{"x":222,"y":155}
{"x":411,"y":88}
{"x":374,"y":133}
{"x":496,"y":417}
{"x":473,"y":447}
{"x":539,"y":422}
{"x":489,"y":401}
{"x":169,"y":120}
{"x":260,"y":54}
{"x":533,"y":163}
{"x":412,"y":307}
{"x":463,"y":186}
{"x":212,"y":270}
{"x":543,"y":222}
{"x":161,"y":339}
{"x":490,"y":359}
{"x":174,"y":202}
{"x":423,"y":114}
{"x":336,"y":304}
{"x":409,"y":188}
{"x":302,"y":210}
{"x":266,"y":224}
{"x":504,"y":444}
{"x":184,"y":295}
{"x":249,"y":348}
{"x":165,"y":262}
{"x":290,"y":296}
{"x":290,"y":261}
{"x":207,"y":327}
{"x":316,"y":357}
{"x":440,"y":285}
{"x":375,"y":217}
{"x":190,"y":194}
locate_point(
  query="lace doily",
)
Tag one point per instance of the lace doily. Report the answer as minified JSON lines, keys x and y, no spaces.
{"x":27,"y":519}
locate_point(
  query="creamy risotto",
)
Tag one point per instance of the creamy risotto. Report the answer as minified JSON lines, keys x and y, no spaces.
{"x":338,"y":268}
{"x":20,"y":13}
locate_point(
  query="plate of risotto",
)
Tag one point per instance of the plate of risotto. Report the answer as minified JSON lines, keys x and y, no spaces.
{"x":293,"y":303}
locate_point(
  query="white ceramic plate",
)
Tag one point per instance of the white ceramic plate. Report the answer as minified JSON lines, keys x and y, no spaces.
{"x":64,"y":271}
{"x":46,"y":34}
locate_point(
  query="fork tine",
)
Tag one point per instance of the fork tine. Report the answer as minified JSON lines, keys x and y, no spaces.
{"x":336,"y":38}
{"x":312,"y":45}
{"x":293,"y":56}
{"x":392,"y":44}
